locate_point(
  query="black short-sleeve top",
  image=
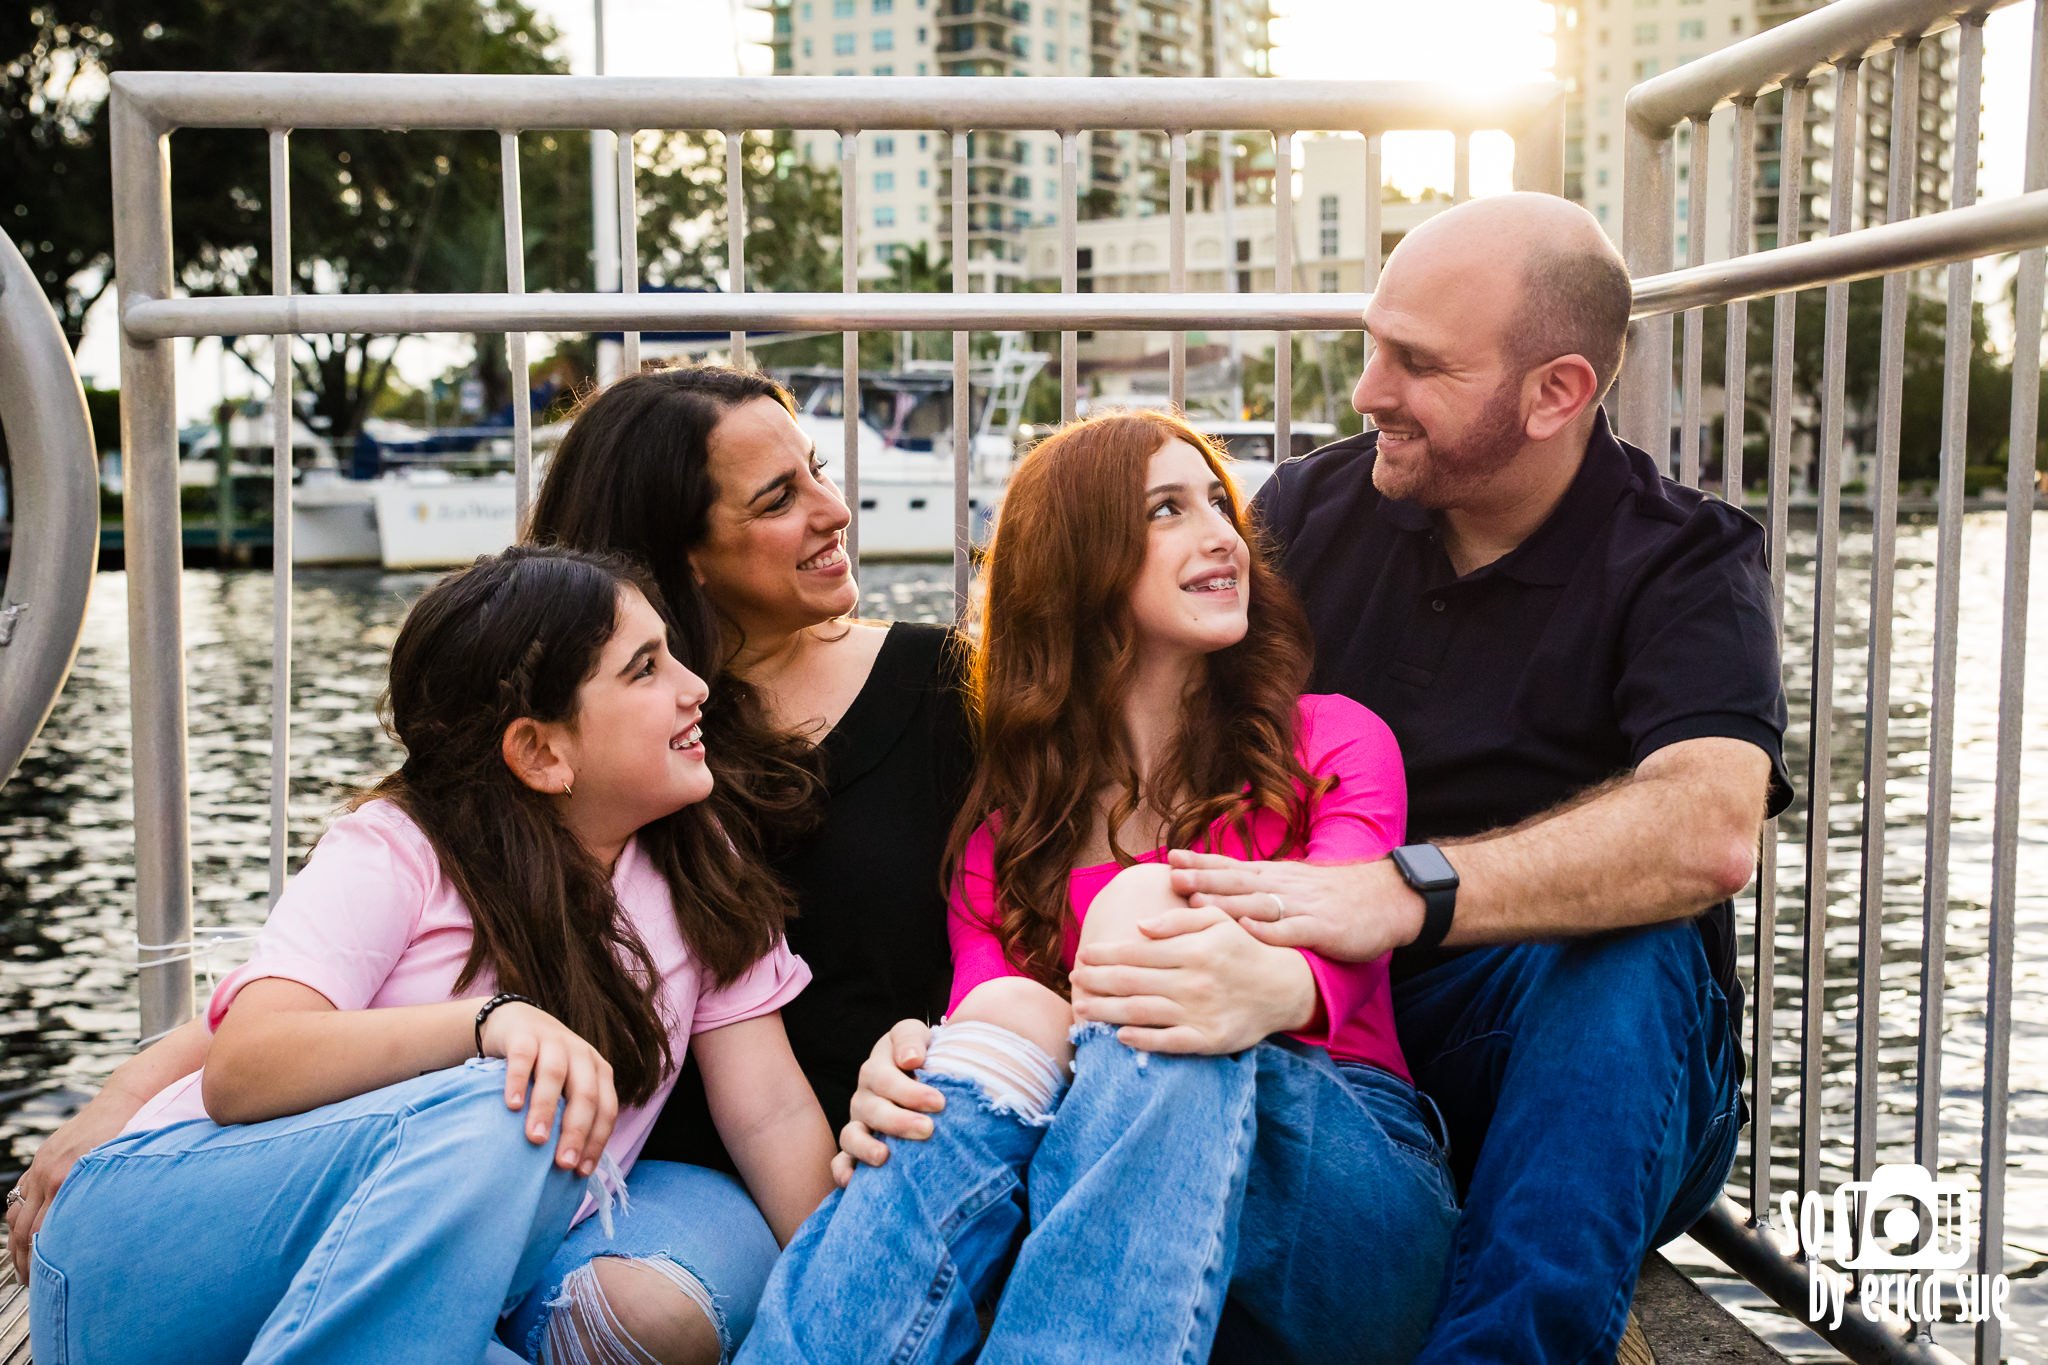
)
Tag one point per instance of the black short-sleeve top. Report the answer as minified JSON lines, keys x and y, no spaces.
{"x":1639,"y":614}
{"x":871,"y":915}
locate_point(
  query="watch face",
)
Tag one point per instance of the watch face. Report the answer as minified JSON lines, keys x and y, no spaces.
{"x":1425,"y":868}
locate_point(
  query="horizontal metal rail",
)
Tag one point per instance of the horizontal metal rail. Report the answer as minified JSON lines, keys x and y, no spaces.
{"x":1958,"y":235}
{"x":1794,"y":50}
{"x":255,"y":315}
{"x":177,"y":99}
{"x":1986,"y":229}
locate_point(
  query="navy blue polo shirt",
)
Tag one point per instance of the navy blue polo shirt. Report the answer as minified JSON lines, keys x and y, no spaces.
{"x":1637,"y":615}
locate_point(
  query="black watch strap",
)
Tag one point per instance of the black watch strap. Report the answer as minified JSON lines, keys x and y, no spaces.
{"x":1436,"y":916}
{"x":1430,"y":875}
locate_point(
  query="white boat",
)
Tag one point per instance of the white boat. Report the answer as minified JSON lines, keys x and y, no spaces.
{"x":905,"y":445}
{"x":334,"y":520}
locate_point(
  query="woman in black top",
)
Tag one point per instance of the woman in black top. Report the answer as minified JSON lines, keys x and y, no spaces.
{"x":841,"y":747}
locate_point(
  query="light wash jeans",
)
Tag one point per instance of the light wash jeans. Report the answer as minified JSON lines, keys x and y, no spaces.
{"x":1271,"y":1204}
{"x":398,"y":1225}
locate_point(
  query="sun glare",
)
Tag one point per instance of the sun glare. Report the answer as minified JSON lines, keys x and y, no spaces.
{"x":1466,"y":42}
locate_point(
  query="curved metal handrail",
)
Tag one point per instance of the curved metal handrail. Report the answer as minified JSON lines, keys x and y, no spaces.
{"x":56,"y":508}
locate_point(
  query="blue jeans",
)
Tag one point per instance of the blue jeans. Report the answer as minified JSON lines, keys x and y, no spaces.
{"x":1591,"y":1090}
{"x":1270,"y":1203}
{"x":401,"y":1223}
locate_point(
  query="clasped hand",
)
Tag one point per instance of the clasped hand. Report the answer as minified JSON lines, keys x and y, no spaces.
{"x":1196,"y":982}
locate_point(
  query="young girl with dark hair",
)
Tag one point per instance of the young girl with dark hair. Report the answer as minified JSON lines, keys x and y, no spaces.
{"x":538,"y":889}
{"x":1239,"y":1161}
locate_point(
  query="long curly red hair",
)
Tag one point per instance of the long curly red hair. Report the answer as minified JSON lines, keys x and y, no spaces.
{"x":1055,"y":654}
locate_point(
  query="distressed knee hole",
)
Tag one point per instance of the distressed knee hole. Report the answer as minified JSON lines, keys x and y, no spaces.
{"x":1015,"y":1074}
{"x":632,"y":1311}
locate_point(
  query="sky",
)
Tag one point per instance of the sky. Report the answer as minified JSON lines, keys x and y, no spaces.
{"x":1496,"y":40}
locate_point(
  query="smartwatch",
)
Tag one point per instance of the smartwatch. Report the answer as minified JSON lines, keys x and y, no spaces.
{"x":1430,"y":875}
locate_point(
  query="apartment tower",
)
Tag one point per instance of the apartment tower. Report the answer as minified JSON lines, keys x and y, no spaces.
{"x":905,"y":180}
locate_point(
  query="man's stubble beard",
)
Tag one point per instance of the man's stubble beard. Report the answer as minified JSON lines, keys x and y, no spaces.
{"x":1449,"y":475}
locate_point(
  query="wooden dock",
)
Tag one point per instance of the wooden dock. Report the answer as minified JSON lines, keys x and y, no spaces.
{"x":1674,"y":1323}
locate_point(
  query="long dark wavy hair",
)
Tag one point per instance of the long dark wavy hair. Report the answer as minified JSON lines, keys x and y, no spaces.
{"x":1056,"y":654}
{"x":633,"y":477}
{"x":516,"y":635}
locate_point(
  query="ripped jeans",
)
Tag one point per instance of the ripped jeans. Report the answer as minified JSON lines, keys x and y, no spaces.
{"x":395,"y":1225}
{"x":1272,"y":1204}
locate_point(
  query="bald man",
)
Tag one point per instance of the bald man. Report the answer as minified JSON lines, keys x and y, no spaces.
{"x":1579,"y":659}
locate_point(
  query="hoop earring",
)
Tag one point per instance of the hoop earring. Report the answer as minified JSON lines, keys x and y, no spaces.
{"x":566,"y":791}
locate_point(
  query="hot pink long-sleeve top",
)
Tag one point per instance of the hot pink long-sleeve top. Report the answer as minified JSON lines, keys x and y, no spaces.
{"x":1358,"y":820}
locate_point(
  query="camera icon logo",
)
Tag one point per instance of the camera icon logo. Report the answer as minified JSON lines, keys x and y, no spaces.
{"x":1902,"y":1218}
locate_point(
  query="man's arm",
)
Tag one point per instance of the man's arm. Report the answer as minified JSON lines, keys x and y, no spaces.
{"x":1665,"y":842}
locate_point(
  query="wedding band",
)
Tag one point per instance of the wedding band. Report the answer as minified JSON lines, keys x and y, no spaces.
{"x":1279,"y":906}
{"x":15,"y":1196}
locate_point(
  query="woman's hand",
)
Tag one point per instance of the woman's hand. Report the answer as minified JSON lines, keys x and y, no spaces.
{"x":134,"y":1083}
{"x":541,"y":1050}
{"x":889,"y":1103}
{"x":47,"y":1170}
{"x":1196,"y":982}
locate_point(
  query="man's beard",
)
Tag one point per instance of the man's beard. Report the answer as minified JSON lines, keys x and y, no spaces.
{"x":1447,"y":475}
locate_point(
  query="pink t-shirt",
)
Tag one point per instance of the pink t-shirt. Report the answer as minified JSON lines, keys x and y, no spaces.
{"x":370,"y":922}
{"x":1359,"y":820}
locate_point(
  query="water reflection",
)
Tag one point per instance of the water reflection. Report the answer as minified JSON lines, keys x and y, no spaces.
{"x":67,"y":1006}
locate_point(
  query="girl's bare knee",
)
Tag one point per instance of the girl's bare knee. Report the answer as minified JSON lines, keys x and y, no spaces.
{"x":1025,"y":1008}
{"x":616,"y":1309}
{"x":1139,"y":892}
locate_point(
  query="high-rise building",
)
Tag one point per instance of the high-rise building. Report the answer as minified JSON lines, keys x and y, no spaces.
{"x":1605,"y":47}
{"x":904,"y":195}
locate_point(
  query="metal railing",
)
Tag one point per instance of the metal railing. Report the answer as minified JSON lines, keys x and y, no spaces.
{"x":147,"y":106}
{"x":1839,"y":39}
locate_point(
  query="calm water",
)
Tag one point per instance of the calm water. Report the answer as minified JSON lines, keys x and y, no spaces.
{"x":67,"y":1002}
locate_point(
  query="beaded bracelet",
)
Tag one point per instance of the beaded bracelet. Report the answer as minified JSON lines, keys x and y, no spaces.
{"x":501,"y":998}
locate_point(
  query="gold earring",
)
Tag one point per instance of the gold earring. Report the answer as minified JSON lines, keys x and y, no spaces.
{"x":565,"y":788}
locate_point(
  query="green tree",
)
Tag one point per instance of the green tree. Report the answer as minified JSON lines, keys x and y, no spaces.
{"x":372,"y":211}
{"x":1922,"y":383}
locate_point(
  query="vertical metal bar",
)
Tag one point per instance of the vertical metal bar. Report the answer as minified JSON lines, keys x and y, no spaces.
{"x":736,"y":230}
{"x":1735,"y":358}
{"x":1645,"y":388}
{"x":1461,"y":167}
{"x":156,"y":636}
{"x":1791,"y":174}
{"x":1690,"y":380}
{"x":1177,"y":266}
{"x":1948,"y":561}
{"x":2012,"y":663}
{"x":963,"y":443}
{"x":1283,"y":282}
{"x":1070,"y":213}
{"x":629,"y":244}
{"x":849,"y":342}
{"x":1374,"y":192}
{"x":515,"y":341}
{"x":1820,"y":748}
{"x":280,"y":518}
{"x":1905,"y":160}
